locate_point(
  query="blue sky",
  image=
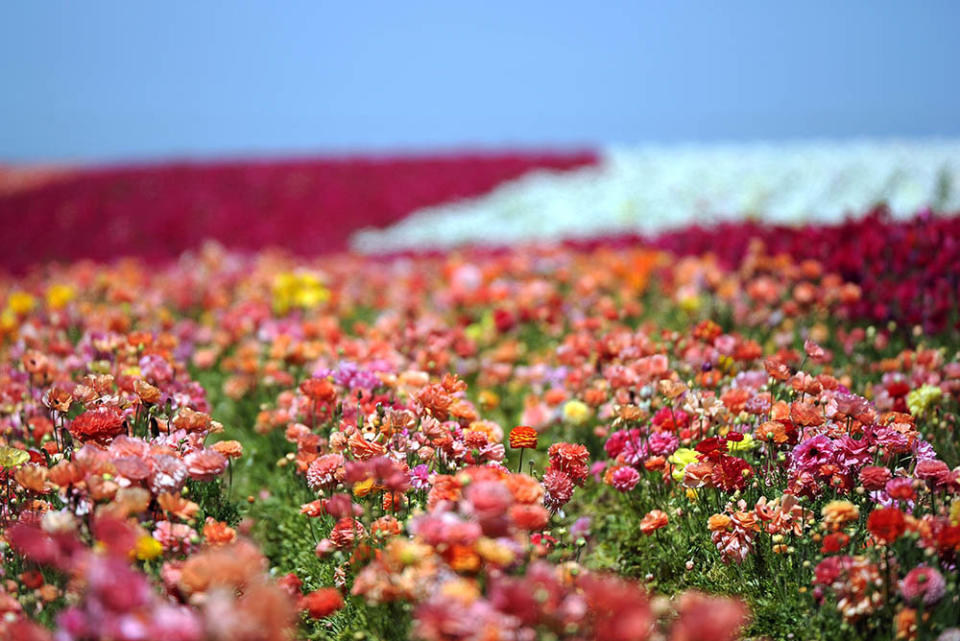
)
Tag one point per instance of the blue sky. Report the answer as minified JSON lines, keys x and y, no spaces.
{"x":108,"y":81}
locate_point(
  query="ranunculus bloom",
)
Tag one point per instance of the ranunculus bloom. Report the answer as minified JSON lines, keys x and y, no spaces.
{"x":935,"y":473}
{"x":923,"y":584}
{"x":100,"y":425}
{"x":524,"y":437}
{"x":886,"y":524}
{"x":901,"y":489}
{"x":529,"y":517}
{"x":325,"y":472}
{"x":874,"y":477}
{"x":708,"y":617}
{"x":653,"y":521}
{"x":205,"y":465}
{"x":322,"y":603}
{"x":625,"y":479}
{"x":836,"y":514}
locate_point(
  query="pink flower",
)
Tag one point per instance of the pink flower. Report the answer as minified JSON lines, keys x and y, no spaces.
{"x":322,"y":473}
{"x":205,"y":465}
{"x":935,"y":473}
{"x":174,"y":536}
{"x":813,"y":452}
{"x":663,"y":443}
{"x":559,"y":489}
{"x":625,"y":479}
{"x":923,"y":584}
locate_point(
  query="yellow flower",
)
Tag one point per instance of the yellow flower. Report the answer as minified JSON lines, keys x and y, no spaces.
{"x":473,"y":331}
{"x":576,"y":412}
{"x":11,"y":457}
{"x":691,"y":303}
{"x":8,"y":320}
{"x":683,"y":456}
{"x":745,"y":445}
{"x":59,"y":295}
{"x":302,"y":289}
{"x":955,"y":512}
{"x":920,"y":399}
{"x":680,"y":459}
{"x":147,"y":548}
{"x":21,"y":302}
{"x":489,"y":400}
{"x":408,"y":552}
{"x":363,"y":487}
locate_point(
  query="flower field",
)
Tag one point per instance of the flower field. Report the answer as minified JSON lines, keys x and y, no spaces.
{"x":742,"y":431}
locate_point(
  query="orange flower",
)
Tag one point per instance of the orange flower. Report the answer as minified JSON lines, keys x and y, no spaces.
{"x":230,"y":449}
{"x":523,"y":437}
{"x":218,"y":533}
{"x":806,"y":414}
{"x":363,"y":450}
{"x":719,"y":522}
{"x":836,"y":514}
{"x":177,"y":505}
{"x":653,"y":521}
{"x":462,"y":558}
{"x":525,"y":489}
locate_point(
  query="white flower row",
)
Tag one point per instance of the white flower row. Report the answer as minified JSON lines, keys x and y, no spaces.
{"x":651,"y":189}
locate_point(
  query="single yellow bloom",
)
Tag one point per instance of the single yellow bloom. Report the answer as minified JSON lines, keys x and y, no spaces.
{"x":11,"y":457}
{"x":363,"y":487}
{"x":680,"y":459}
{"x":21,"y":302}
{"x":576,"y":412}
{"x":147,"y":548}
{"x":8,"y":320}
{"x":59,"y":295}
{"x":298,"y":289}
{"x":920,"y":399}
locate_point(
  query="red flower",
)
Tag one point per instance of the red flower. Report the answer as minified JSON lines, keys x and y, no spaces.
{"x":100,"y":425}
{"x":731,"y":473}
{"x":886,"y":524}
{"x":524,"y":437}
{"x":712,"y":444}
{"x":322,"y":603}
{"x":570,"y":459}
{"x":835,"y":542}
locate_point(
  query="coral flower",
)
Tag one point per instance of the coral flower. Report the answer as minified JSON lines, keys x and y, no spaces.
{"x":874,"y":477}
{"x":205,"y":465}
{"x":100,"y":425}
{"x":653,"y":521}
{"x":529,"y":517}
